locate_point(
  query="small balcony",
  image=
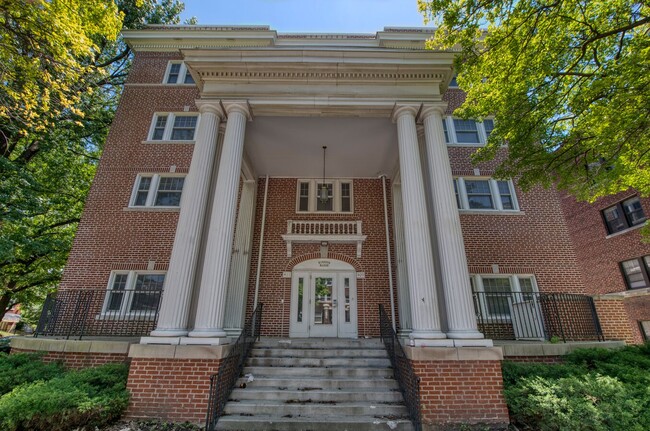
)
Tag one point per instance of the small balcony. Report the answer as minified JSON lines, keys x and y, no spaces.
{"x":324,"y":231}
{"x":534,"y":316}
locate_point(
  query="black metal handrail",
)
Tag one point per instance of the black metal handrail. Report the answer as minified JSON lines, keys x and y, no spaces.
{"x":537,"y":316}
{"x":99,"y":312}
{"x":409,"y":382}
{"x":231,"y":367}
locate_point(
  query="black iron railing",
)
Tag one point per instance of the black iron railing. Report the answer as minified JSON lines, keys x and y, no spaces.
{"x":537,"y":316}
{"x":409,"y":382}
{"x":99,"y":312}
{"x":231,"y":367}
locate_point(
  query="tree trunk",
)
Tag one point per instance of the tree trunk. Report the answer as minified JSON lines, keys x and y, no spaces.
{"x":4,"y":302}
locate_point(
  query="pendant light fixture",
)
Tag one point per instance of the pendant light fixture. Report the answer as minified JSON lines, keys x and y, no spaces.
{"x":324,"y":192}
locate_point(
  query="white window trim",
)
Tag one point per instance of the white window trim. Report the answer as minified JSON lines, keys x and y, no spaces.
{"x":494,"y":191}
{"x":451,"y":131}
{"x":182,"y":73}
{"x":171,"y":116}
{"x":127,"y":298}
{"x":516,"y":292}
{"x":313,"y":196}
{"x":153,"y":190}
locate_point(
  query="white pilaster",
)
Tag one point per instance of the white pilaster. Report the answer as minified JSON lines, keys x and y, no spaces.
{"x":461,"y":317}
{"x":174,"y":309}
{"x":239,"y":270}
{"x":404,"y":304}
{"x":214,"y":281}
{"x":423,"y":297}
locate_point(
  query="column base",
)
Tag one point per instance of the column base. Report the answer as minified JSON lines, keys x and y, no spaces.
{"x":160,"y":340}
{"x":473,"y":343}
{"x":208,"y":333}
{"x":429,"y":339}
{"x":233,"y":332}
{"x":168,"y":333}
{"x":204,"y":341}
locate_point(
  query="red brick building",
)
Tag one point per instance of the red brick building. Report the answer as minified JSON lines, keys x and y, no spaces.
{"x":323,"y":176}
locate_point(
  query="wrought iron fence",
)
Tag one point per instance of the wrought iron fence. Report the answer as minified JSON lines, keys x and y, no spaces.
{"x":409,"y":382}
{"x":230,"y":368}
{"x":99,"y":312}
{"x":537,"y":316}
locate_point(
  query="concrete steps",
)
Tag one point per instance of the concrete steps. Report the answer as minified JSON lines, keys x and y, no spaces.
{"x":316,"y":384}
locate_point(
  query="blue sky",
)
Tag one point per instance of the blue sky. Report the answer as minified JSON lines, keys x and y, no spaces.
{"x":335,"y":16}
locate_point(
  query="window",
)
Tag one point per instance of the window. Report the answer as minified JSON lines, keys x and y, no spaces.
{"x":177,"y":73}
{"x":636,"y":272}
{"x":466,"y":132}
{"x":173,"y":127}
{"x":155,"y":190}
{"x":339,"y":192}
{"x":624,"y":215}
{"x":495,"y":294}
{"x":133,"y":293}
{"x":485,"y":193}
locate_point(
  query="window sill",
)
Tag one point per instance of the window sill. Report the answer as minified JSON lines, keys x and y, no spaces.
{"x":153,"y":209}
{"x":126,"y":316}
{"x":492,"y":212}
{"x":151,"y":141}
{"x":458,"y":144}
{"x":624,"y":231}
{"x":325,"y":212}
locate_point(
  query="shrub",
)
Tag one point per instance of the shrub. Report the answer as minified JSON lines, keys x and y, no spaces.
{"x":78,"y":399}
{"x":25,"y":368}
{"x":594,"y":390}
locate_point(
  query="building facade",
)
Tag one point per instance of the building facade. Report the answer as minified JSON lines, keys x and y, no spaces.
{"x":323,"y":176}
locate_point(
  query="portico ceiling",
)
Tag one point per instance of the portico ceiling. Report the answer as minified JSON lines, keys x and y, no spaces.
{"x":292,"y":146}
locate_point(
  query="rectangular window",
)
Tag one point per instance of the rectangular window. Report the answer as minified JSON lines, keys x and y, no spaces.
{"x":157,"y":190}
{"x":133,"y":293}
{"x":325,"y":205}
{"x":303,"y":197}
{"x":173,"y":127}
{"x":177,"y":73}
{"x":485,"y":194}
{"x":624,"y":215}
{"x":339,"y":196}
{"x":479,"y":195}
{"x":635,"y":272}
{"x":495,"y":294}
{"x":488,"y":125}
{"x":466,"y":132}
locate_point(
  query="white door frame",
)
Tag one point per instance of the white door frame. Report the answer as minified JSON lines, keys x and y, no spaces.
{"x":344,"y":299}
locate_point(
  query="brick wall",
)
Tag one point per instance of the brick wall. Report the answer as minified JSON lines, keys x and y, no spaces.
{"x":614,"y":320}
{"x":170,"y":389}
{"x":78,"y":361}
{"x":455,"y":392}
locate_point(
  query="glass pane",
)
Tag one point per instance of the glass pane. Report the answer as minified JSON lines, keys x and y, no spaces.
{"x":479,"y":194}
{"x":489,"y":126}
{"x":456,"y":191}
{"x":329,"y":204}
{"x":346,"y":197}
{"x":526,"y":285}
{"x":346,"y":285}
{"x":188,"y":78}
{"x":147,"y":292}
{"x":323,"y":302}
{"x":497,"y":293}
{"x":614,"y":219}
{"x":159,"y":128}
{"x":184,"y":128}
{"x":173,"y":73}
{"x":169,"y":191}
{"x":143,"y":191}
{"x":116,"y":295}
{"x":466,"y":131}
{"x":301,"y":286}
{"x":303,"y":204}
{"x":506,"y":195}
{"x":634,"y":274}
{"x":444,"y":128}
{"x":634,"y":211}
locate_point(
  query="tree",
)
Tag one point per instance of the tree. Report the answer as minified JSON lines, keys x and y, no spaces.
{"x":567,"y":81}
{"x":62,"y":66}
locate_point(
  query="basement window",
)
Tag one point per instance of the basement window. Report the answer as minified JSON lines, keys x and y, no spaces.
{"x":133,"y":293}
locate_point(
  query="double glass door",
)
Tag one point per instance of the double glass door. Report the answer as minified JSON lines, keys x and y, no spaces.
{"x":323,"y":304}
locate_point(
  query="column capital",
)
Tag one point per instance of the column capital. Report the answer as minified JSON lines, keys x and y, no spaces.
{"x":240,"y":106}
{"x":401,"y":109}
{"x":429,"y":109}
{"x":211,"y":106}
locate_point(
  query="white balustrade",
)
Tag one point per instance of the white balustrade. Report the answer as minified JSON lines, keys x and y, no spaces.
{"x":313,"y":231}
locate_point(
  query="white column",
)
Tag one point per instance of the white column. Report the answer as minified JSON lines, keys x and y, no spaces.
{"x":239,"y":264}
{"x":214,"y":282}
{"x":461,"y":317}
{"x":419,"y":256}
{"x":175,"y":306}
{"x":404,"y":304}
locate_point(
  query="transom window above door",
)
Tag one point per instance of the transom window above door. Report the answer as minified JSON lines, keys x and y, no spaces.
{"x":339,"y":196}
